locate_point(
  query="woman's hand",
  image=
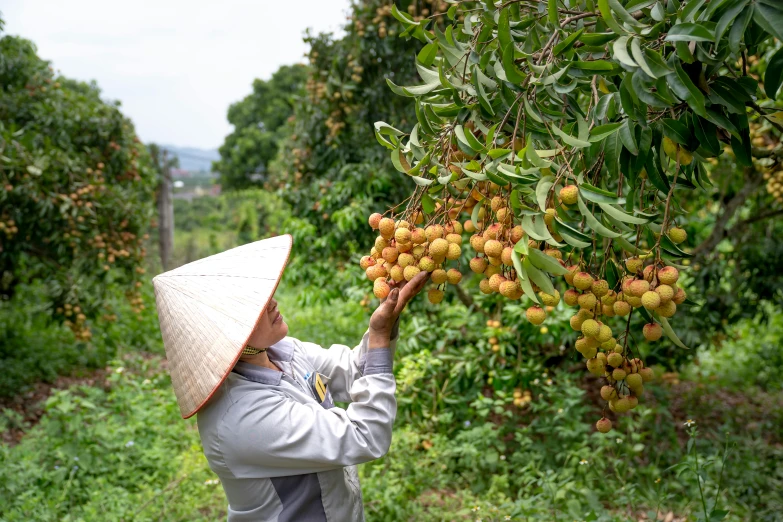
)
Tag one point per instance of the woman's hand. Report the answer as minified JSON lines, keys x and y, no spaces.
{"x":385,"y":316}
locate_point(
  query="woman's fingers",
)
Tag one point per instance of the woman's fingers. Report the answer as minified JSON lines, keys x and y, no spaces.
{"x":411,"y":289}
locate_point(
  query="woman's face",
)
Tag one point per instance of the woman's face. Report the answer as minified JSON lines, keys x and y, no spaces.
{"x":271,"y":328}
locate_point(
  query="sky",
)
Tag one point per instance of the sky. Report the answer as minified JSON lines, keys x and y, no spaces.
{"x":174,"y":65}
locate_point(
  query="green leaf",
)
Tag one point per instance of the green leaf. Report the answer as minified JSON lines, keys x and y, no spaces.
{"x":628,"y":138}
{"x":535,"y":228}
{"x":676,"y":131}
{"x":428,"y":54}
{"x":769,"y":15}
{"x":728,"y":16}
{"x":612,"y":149}
{"x":572,"y":236}
{"x":545,"y":262}
{"x":685,"y":89}
{"x":542,"y":192}
{"x":538,"y":277}
{"x":504,"y":29}
{"x":620,"y":215}
{"x":597,"y":39}
{"x":422,"y":182}
{"x":774,"y":75}
{"x":667,"y":329}
{"x":568,"y":42}
{"x":592,"y":222}
{"x":656,"y":64}
{"x":690,"y":32}
{"x":552,"y":13}
{"x":602,"y":131}
{"x":482,"y":95}
{"x":599,"y":66}
{"x":412,"y":91}
{"x":522,"y":276}
{"x":597,"y":195}
{"x":739,"y":26}
{"x":638,"y":56}
{"x":568,"y":139}
{"x":628,"y":247}
{"x":620,"y":51}
{"x":513,"y":73}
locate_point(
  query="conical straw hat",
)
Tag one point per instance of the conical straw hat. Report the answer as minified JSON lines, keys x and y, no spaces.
{"x":207,"y":310}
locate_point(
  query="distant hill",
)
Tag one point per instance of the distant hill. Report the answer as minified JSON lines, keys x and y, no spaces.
{"x":193,"y":159}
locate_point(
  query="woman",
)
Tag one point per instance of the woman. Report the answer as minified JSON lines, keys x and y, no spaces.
{"x":266,"y":416}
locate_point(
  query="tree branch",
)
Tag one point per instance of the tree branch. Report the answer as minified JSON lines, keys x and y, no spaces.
{"x":753,"y":180}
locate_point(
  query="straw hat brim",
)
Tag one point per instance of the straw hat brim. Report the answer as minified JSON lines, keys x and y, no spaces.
{"x":207,"y":311}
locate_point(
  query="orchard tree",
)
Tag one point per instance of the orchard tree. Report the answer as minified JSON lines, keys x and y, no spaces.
{"x":258,"y":122}
{"x":567,"y":138}
{"x":77,"y":192}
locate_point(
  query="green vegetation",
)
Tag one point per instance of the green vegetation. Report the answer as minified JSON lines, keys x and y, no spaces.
{"x":496,"y":414}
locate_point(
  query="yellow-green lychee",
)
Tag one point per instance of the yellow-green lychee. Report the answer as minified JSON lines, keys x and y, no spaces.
{"x":604,"y":333}
{"x":439,"y":247}
{"x":433,"y":232}
{"x":634,"y":382}
{"x":438,"y":276}
{"x":679,"y":296}
{"x":397,"y":273}
{"x":381,"y":288}
{"x":418,"y":236}
{"x":647,"y":374}
{"x":590,"y":328}
{"x":587,"y":301}
{"x":622,"y":404}
{"x":508,"y":288}
{"x":610,"y":298}
{"x":621,"y":308}
{"x":677,"y":235}
{"x":651,"y":300}
{"x":652,"y":331}
{"x":667,"y":309}
{"x":634,"y":264}
{"x":402,"y":235}
{"x":495,"y":281}
{"x":638,"y":287}
{"x":595,"y":366}
{"x":453,"y":251}
{"x":505,"y":256}
{"x":569,"y":194}
{"x":484,"y":286}
{"x":535,"y":314}
{"x":572,"y":271}
{"x":600,"y":288}
{"x":427,"y":264}
{"x":571,"y":297}
{"x":665,"y":292}
{"x":583,"y":280}
{"x":435,"y":296}
{"x":608,"y":392}
{"x":615,"y":360}
{"x":410,"y":272}
{"x":549,"y":300}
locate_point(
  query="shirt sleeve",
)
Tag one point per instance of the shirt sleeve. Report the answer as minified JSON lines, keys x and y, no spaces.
{"x":263,"y":438}
{"x":341,"y":365}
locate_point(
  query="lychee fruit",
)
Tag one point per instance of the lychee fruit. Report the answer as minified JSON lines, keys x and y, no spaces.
{"x":647,"y":374}
{"x":390,"y":254}
{"x":427,"y":264}
{"x":454,"y":238}
{"x":516,"y":234}
{"x":454,"y":227}
{"x":380,"y":243}
{"x":453,"y":276}
{"x":571,"y":297}
{"x":484,"y":286}
{"x":405,"y":259}
{"x":535,"y":314}
{"x":435,"y":296}
{"x":375,"y":220}
{"x":478,"y":265}
{"x":418,"y":236}
{"x":634,"y":382}
{"x":492,"y":270}
{"x":493,"y":248}
{"x":439,"y":247}
{"x":600,"y":288}
{"x":505,"y":256}
{"x":622,"y":405}
{"x":651,"y":300}
{"x":553,"y":252}
{"x":590,"y":328}
{"x":438,"y":276}
{"x":665,"y":292}
{"x":410,"y":272}
{"x":494,"y":261}
{"x":381,"y":288}
{"x":477,"y":242}
{"x":608,"y":392}
{"x":648,"y":273}
{"x":677,"y":235}
{"x":595,"y":365}
{"x":634,"y":264}
{"x":569,"y":194}
{"x":667,"y":310}
{"x":614,"y":359}
{"x":634,"y":301}
{"x":652,"y":331}
{"x":668,"y":275}
{"x":403,"y":235}
{"x":397,"y":273}
{"x":604,"y":334}
{"x":587,"y":301}
{"x":386,"y":228}
{"x":679,"y":296}
{"x":604,"y":425}
{"x":453,"y":251}
{"x":433,"y":232}
{"x":583,"y":280}
{"x":366,"y":262}
{"x":507,"y":288}
{"x":572,"y":271}
{"x":638,"y":287}
{"x":495,"y":282}
{"x":607,"y":310}
{"x":549,"y":300}
{"x":469,"y":227}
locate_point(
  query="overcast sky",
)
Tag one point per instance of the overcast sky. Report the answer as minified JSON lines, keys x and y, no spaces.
{"x":175,"y":65}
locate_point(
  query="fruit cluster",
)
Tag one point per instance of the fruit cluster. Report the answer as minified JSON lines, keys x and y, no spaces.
{"x":775,"y":184}
{"x":402,"y":250}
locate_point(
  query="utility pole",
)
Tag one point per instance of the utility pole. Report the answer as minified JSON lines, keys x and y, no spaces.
{"x":165,"y":212}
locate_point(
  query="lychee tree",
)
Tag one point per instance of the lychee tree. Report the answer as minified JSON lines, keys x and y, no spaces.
{"x":565,"y":138}
{"x":76,"y":190}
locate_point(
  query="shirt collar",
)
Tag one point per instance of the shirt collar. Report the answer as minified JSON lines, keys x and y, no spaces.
{"x":281,"y":351}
